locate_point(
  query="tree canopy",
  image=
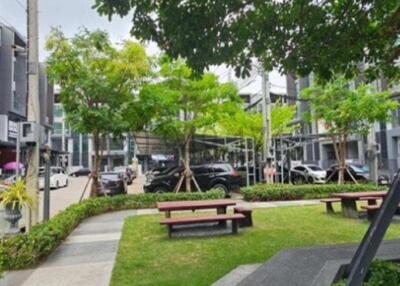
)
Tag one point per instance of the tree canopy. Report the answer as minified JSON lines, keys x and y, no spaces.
{"x":180,"y":105}
{"x":97,"y":84}
{"x":345,"y":112}
{"x":281,"y":117}
{"x":300,"y":36}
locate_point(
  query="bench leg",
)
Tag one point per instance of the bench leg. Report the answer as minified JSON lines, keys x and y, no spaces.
{"x":349,"y":208}
{"x":170,"y":231}
{"x":372,"y":202}
{"x":222,"y":211}
{"x":371,"y":214}
{"x":234,"y":226}
{"x":329,"y":208}
{"x":168,"y":214}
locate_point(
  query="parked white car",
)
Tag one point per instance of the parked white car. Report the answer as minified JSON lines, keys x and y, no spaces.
{"x":309,"y":173}
{"x":58,"y":178}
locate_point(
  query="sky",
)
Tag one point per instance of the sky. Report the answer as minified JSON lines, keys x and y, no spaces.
{"x":71,"y":15}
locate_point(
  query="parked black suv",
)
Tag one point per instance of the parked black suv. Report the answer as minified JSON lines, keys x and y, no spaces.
{"x":359,"y":172}
{"x":219,"y":176}
{"x":113,"y":183}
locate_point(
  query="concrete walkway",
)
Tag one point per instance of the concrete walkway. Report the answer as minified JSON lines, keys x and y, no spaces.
{"x":87,"y":256}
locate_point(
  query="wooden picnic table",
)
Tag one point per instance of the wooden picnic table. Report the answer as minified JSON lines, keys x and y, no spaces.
{"x":219,"y":205}
{"x":349,"y":201}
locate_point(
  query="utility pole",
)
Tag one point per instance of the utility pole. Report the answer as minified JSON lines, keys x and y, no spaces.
{"x":32,"y":183}
{"x":266,"y":111}
{"x":372,"y":154}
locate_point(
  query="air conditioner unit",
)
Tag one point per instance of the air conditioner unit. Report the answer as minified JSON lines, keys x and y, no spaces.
{"x":30,"y":132}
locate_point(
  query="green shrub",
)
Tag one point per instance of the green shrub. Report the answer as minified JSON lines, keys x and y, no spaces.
{"x":381,"y":273}
{"x":26,"y":250}
{"x":283,"y":192}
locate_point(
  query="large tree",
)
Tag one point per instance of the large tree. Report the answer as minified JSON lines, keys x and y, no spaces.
{"x":299,"y":36}
{"x":180,"y":105}
{"x":345,"y":112}
{"x":97,"y":84}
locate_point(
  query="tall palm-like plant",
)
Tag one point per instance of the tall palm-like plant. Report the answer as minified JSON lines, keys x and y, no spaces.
{"x":16,"y":197}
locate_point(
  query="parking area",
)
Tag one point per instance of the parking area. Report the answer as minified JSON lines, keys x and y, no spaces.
{"x":63,"y":197}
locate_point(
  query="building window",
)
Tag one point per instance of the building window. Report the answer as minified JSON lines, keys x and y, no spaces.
{"x":85,"y":150}
{"x":116,"y":144}
{"x":58,"y":111}
{"x":75,"y":150}
{"x":57,"y":128}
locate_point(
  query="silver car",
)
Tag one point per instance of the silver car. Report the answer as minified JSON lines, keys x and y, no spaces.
{"x":309,"y":173}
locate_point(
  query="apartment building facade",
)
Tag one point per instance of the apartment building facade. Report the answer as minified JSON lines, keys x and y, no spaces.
{"x":13,"y":92}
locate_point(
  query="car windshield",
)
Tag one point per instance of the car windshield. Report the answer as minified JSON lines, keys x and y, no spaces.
{"x":315,"y":168}
{"x":360,"y":168}
{"x":110,"y":176}
{"x":222,"y":168}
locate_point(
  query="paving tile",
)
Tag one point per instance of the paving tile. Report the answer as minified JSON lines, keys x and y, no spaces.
{"x":98,"y":228}
{"x":16,"y":278}
{"x":79,"y":253}
{"x":93,"y":274}
{"x":93,"y":237}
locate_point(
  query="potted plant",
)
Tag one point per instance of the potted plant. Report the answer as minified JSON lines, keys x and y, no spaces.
{"x":13,"y":199}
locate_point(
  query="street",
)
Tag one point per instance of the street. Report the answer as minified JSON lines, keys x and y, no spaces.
{"x":63,"y":197}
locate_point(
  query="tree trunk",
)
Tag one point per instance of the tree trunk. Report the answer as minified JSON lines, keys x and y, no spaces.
{"x":187,"y":172}
{"x":340,"y":156}
{"x":96,"y":165}
{"x":343,"y":155}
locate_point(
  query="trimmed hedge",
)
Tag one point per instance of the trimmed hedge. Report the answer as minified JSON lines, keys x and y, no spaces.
{"x":284,"y":192}
{"x":27,"y":250}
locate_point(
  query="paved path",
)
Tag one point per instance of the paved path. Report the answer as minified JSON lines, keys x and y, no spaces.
{"x":86,"y":257}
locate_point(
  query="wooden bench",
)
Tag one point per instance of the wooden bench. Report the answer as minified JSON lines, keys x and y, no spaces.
{"x":248,"y":220}
{"x":371,"y":200}
{"x":328,"y":202}
{"x":170,"y":222}
{"x":371,"y":211}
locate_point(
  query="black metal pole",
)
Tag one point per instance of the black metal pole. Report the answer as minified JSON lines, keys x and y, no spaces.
{"x":372,"y":239}
{"x":46,"y":200}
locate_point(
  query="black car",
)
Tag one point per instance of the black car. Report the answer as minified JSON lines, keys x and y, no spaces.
{"x":157,"y":172}
{"x":219,"y":176}
{"x":81,"y":172}
{"x":112,"y":183}
{"x":129,"y":174}
{"x":359,"y":172}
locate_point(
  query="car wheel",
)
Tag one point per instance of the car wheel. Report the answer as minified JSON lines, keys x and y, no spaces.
{"x":221,"y":187}
{"x":299,"y":180}
{"x":310,"y":180}
{"x":160,"y":190}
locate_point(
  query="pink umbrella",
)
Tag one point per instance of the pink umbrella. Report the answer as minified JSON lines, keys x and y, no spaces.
{"x":12,"y":166}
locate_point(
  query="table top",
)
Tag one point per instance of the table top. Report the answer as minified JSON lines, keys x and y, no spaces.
{"x":358,"y":195}
{"x":191,"y":205}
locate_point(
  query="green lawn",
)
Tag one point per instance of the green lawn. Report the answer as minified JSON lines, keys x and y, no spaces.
{"x":147,"y":257}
